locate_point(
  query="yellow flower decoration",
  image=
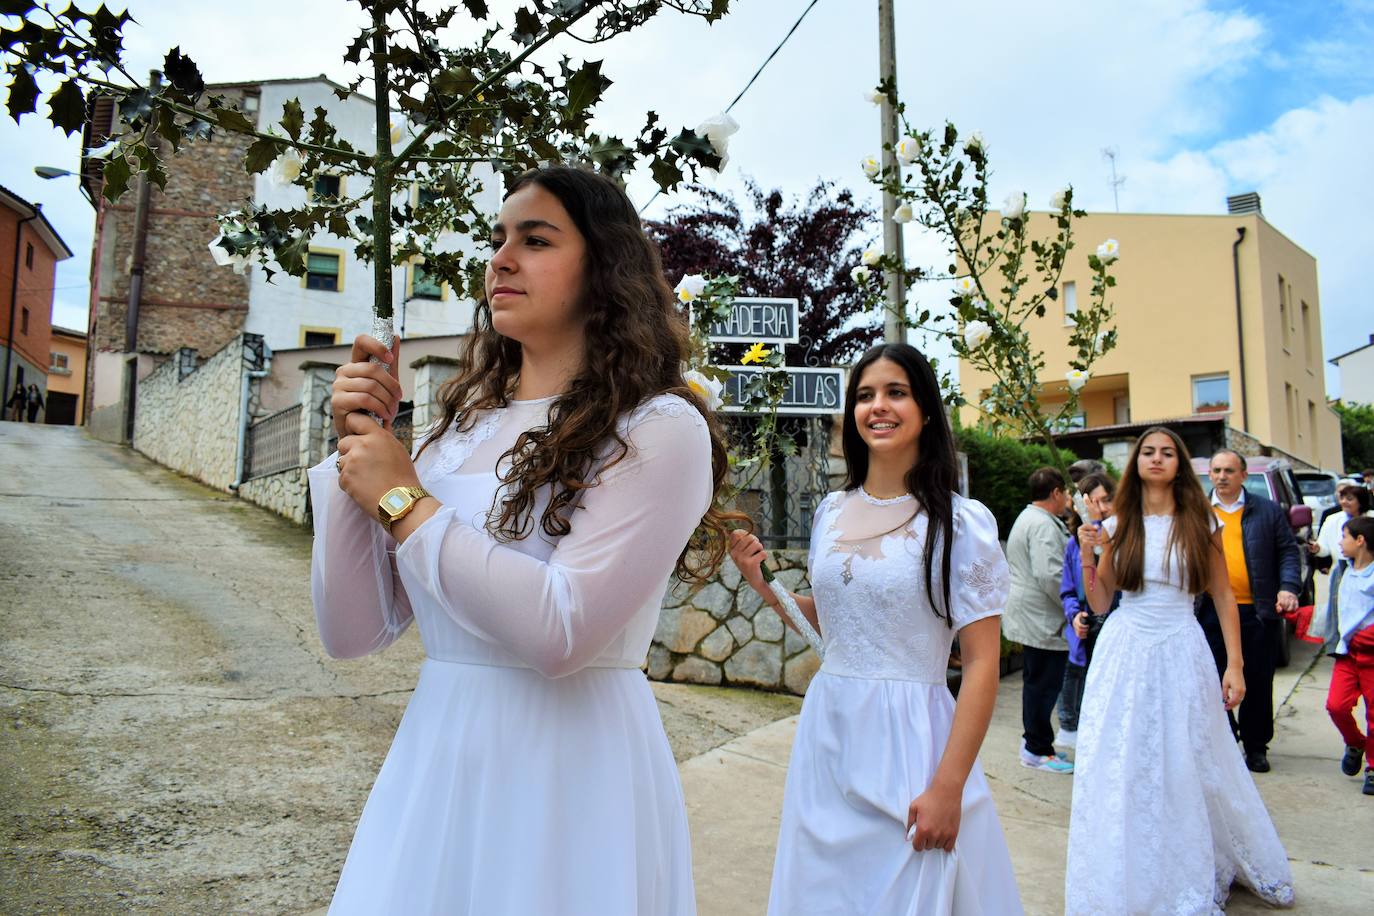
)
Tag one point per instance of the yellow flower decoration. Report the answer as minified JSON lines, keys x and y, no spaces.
{"x":757,"y":354}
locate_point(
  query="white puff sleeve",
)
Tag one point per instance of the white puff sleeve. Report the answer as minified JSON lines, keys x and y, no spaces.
{"x":558,"y":615}
{"x":361,"y":605}
{"x":981,"y":579}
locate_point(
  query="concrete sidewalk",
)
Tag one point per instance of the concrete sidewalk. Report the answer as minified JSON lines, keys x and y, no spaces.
{"x":734,"y":795}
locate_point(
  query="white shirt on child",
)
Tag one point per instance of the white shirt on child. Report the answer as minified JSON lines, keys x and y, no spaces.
{"x":1354,"y":604}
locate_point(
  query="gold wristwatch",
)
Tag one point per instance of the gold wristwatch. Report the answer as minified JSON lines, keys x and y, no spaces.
{"x":397,"y":502}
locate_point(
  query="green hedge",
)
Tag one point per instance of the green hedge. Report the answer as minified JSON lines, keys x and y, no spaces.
{"x":999,"y":472}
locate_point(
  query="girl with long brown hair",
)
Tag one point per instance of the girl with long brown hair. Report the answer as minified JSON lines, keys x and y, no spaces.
{"x":1165,"y":815}
{"x":531,"y":539}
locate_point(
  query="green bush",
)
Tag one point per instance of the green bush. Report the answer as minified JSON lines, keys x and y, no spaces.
{"x":999,"y":471}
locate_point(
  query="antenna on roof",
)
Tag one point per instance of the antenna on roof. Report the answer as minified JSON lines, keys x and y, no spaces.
{"x":1110,"y":153}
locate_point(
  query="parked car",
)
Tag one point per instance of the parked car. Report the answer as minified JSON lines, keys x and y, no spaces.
{"x":1318,"y":490}
{"x":1276,"y":479}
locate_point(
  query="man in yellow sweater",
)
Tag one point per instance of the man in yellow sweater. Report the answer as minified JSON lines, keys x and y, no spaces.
{"x":1263,"y":563}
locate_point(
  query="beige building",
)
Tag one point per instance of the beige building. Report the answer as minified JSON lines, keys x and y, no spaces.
{"x":1214,"y":315}
{"x":66,"y":376}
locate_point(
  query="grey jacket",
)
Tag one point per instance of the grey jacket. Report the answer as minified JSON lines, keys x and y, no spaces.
{"x":1035,"y":552}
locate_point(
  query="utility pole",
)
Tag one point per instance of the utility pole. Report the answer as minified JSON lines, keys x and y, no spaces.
{"x":893,"y":325}
{"x":1109,"y":153}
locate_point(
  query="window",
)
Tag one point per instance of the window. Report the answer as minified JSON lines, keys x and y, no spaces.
{"x":1211,"y":393}
{"x":1307,"y":333}
{"x":320,"y":337}
{"x":1283,"y":311}
{"x":328,"y":187}
{"x":24,"y":322}
{"x":28,"y":255}
{"x":1075,"y":421}
{"x":57,"y":362}
{"x":1290,"y":406}
{"x":324,"y":271}
{"x":424,"y":286}
{"x":1070,"y":301}
{"x":1312,"y":421}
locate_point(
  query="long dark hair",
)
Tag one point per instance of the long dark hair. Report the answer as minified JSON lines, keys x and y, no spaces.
{"x":1190,"y":537}
{"x":935,"y":475}
{"x":637,"y":341}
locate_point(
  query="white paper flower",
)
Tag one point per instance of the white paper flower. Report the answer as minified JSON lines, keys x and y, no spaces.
{"x":903,"y":214}
{"x":719,"y":129}
{"x":861,"y":274}
{"x":690,"y":287}
{"x":286,"y":168}
{"x":1060,"y":199}
{"x":976,"y":333}
{"x":103,"y":151}
{"x":871,"y":257}
{"x":874,"y":96}
{"x":966,"y":286}
{"x":1109,"y":251}
{"x":908,"y":149}
{"x":975,"y":140}
{"x":708,"y":389}
{"x":871,"y":166}
{"x":225,"y":258}
{"x":1076,"y":378}
{"x":1014,"y":207}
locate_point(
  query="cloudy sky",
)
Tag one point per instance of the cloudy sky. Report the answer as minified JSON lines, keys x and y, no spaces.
{"x":1200,"y":99}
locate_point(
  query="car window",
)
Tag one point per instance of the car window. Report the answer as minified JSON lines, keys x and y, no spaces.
{"x":1317,"y":486}
{"x":1258,"y":484}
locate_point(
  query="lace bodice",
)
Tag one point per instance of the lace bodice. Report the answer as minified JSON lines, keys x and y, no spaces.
{"x":1164,"y":603}
{"x":868,"y":580}
{"x":588,"y":598}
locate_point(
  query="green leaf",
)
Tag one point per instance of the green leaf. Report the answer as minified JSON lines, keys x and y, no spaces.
{"x":666,"y":175}
{"x":116,"y":174}
{"x":183,"y":73}
{"x":235,"y":120}
{"x":527,"y":26}
{"x":260,"y":155}
{"x":292,"y":118}
{"x":585,"y":88}
{"x":476,"y":8}
{"x":23,"y":92}
{"x":15,"y":7}
{"x":67,"y":107}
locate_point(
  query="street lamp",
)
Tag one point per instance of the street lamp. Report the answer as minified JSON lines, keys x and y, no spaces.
{"x":49,"y":172}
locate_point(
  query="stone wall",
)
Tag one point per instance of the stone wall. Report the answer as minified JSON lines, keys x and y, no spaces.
{"x":723,"y":633}
{"x":285,"y":493}
{"x":191,"y":422}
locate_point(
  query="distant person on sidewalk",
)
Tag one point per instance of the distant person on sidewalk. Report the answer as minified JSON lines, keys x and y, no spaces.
{"x":15,"y":405}
{"x":1263,"y":564}
{"x":35,"y":403}
{"x":1097,"y":491}
{"x":1352,"y":678}
{"x":1035,"y":616}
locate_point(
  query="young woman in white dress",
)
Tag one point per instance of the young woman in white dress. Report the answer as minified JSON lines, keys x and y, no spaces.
{"x":569,"y":476}
{"x":886,"y":811}
{"x":1165,"y":815}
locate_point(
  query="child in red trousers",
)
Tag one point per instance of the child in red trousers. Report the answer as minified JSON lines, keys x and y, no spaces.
{"x":1353,"y":676}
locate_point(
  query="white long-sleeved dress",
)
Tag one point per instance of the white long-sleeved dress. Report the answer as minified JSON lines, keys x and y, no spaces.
{"x":877,"y":718}
{"x":530,"y":772}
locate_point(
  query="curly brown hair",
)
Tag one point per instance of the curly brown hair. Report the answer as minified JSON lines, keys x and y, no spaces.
{"x":636,"y":343}
{"x":1190,"y":537}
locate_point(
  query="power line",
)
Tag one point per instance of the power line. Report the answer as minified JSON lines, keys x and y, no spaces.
{"x":766,"y":61}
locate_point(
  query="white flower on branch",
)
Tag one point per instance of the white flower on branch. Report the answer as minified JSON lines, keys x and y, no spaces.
{"x":966,"y":286}
{"x":690,"y":287}
{"x":861,"y":274}
{"x":908,"y":149}
{"x":1076,"y":378}
{"x":1014,"y":207}
{"x":976,"y":333}
{"x":903,"y":214}
{"x":708,"y":389}
{"x":1109,"y":251}
{"x":286,"y":168}
{"x":1060,"y":199}
{"x":871,"y":166}
{"x":718,"y":130}
{"x":871,"y":257}
{"x":874,"y":97}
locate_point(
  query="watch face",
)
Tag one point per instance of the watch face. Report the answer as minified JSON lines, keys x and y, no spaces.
{"x":395,"y":501}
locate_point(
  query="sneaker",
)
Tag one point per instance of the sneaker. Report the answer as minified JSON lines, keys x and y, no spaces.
{"x":1368,"y":781}
{"x":1350,"y":763}
{"x":1065,"y":738}
{"x":1051,"y":764}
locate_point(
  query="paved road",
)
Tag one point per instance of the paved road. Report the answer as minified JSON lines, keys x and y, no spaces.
{"x":174,"y":739}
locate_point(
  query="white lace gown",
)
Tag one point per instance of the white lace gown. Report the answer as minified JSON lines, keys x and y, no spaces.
{"x":1165,"y":814}
{"x":530,"y":772}
{"x":876,"y":720}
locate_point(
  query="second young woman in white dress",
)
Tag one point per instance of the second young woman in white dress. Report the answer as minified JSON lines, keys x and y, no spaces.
{"x":572,"y":466}
{"x":1165,"y":815}
{"x":886,"y":811}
